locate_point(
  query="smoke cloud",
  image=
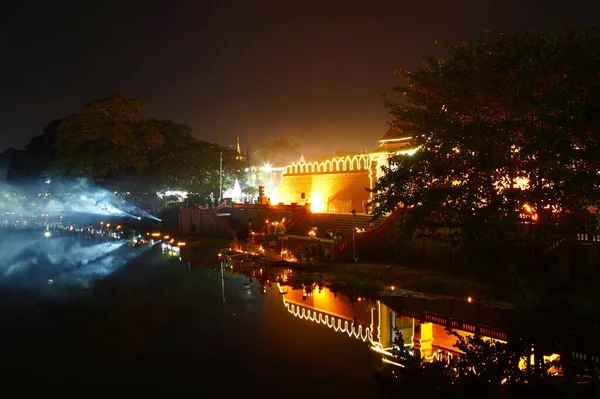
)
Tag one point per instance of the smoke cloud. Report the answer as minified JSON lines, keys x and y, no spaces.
{"x":77,"y":198}
{"x":39,"y":254}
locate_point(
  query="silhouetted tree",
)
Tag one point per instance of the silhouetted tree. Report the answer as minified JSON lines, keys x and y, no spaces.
{"x":503,"y":126}
{"x":30,"y":165}
{"x":111,"y":141}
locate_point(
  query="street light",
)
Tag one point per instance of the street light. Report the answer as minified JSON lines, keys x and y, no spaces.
{"x":353,"y":211}
{"x":221,"y":174}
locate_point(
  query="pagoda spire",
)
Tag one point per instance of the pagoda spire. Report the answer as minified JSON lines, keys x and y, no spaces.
{"x":238,"y":151}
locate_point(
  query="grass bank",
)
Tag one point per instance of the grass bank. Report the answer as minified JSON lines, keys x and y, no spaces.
{"x":415,"y":279}
{"x":373,"y":277}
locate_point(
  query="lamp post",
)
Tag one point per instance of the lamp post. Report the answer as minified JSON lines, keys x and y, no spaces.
{"x":221,"y":174}
{"x":353,"y":211}
{"x":221,"y":177}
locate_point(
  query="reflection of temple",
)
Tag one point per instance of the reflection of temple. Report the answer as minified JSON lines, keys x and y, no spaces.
{"x":377,"y":323}
{"x":339,"y":184}
{"x":427,"y":339}
{"x":354,"y":318}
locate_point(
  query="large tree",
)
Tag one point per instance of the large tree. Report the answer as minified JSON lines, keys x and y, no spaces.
{"x":30,"y":164}
{"x":113,"y":142}
{"x":505,"y":127}
{"x":108,"y":137}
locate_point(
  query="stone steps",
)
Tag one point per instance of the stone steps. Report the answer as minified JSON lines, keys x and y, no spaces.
{"x":341,"y":222}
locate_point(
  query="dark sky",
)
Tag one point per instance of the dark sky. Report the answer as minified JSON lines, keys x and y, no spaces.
{"x":302,"y":70}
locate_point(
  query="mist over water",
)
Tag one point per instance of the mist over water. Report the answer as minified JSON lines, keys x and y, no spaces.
{"x":71,"y":198}
{"x":50,"y":241}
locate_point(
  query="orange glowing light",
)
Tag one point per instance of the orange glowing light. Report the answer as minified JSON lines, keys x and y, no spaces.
{"x":153,"y":234}
{"x":469,"y":299}
{"x":393,"y":288}
{"x":317,"y":203}
{"x":181,"y":244}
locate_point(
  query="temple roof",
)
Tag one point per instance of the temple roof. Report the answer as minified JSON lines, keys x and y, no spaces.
{"x":393,"y":134}
{"x":393,"y":140}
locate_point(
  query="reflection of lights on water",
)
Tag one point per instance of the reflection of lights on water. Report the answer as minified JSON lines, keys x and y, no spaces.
{"x":47,"y":234}
{"x":364,"y":333}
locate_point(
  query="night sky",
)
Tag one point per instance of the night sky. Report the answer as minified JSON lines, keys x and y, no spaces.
{"x":302,"y":70}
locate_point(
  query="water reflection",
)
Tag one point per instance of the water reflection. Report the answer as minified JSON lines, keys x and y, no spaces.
{"x":327,"y":309}
{"x":377,"y":323}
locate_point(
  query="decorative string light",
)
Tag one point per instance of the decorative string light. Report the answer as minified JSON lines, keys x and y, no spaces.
{"x":363,"y":333}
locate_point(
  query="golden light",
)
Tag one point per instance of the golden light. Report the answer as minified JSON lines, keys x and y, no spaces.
{"x":118,"y":227}
{"x":469,"y":299}
{"x":107,"y":224}
{"x":316,"y":203}
{"x":522,"y":182}
{"x":180,"y":243}
{"x":154,"y":234}
{"x":393,"y":288}
{"x":166,"y":237}
{"x":219,"y":254}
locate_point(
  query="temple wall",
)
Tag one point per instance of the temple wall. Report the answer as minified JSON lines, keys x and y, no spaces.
{"x":333,"y":192}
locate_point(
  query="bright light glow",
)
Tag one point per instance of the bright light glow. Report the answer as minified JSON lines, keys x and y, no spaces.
{"x":235,"y":192}
{"x":181,"y":195}
{"x":73,"y":198}
{"x":316,"y":203}
{"x":408,"y":152}
{"x":267,"y":167}
{"x":47,"y":234}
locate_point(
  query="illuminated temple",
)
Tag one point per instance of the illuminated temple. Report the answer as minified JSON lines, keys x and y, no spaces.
{"x":339,"y":184}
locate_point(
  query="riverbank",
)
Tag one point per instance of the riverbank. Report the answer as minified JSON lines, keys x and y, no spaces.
{"x":374,"y":277}
{"x":409,"y":281}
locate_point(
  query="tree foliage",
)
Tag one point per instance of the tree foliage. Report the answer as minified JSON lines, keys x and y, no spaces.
{"x":111,"y":141}
{"x":503,"y":126}
{"x":480,"y":367}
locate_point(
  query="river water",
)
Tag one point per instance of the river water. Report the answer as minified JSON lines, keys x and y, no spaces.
{"x":155,"y":324}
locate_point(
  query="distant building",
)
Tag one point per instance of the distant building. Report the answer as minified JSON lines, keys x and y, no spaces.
{"x":238,"y":152}
{"x":339,"y":184}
